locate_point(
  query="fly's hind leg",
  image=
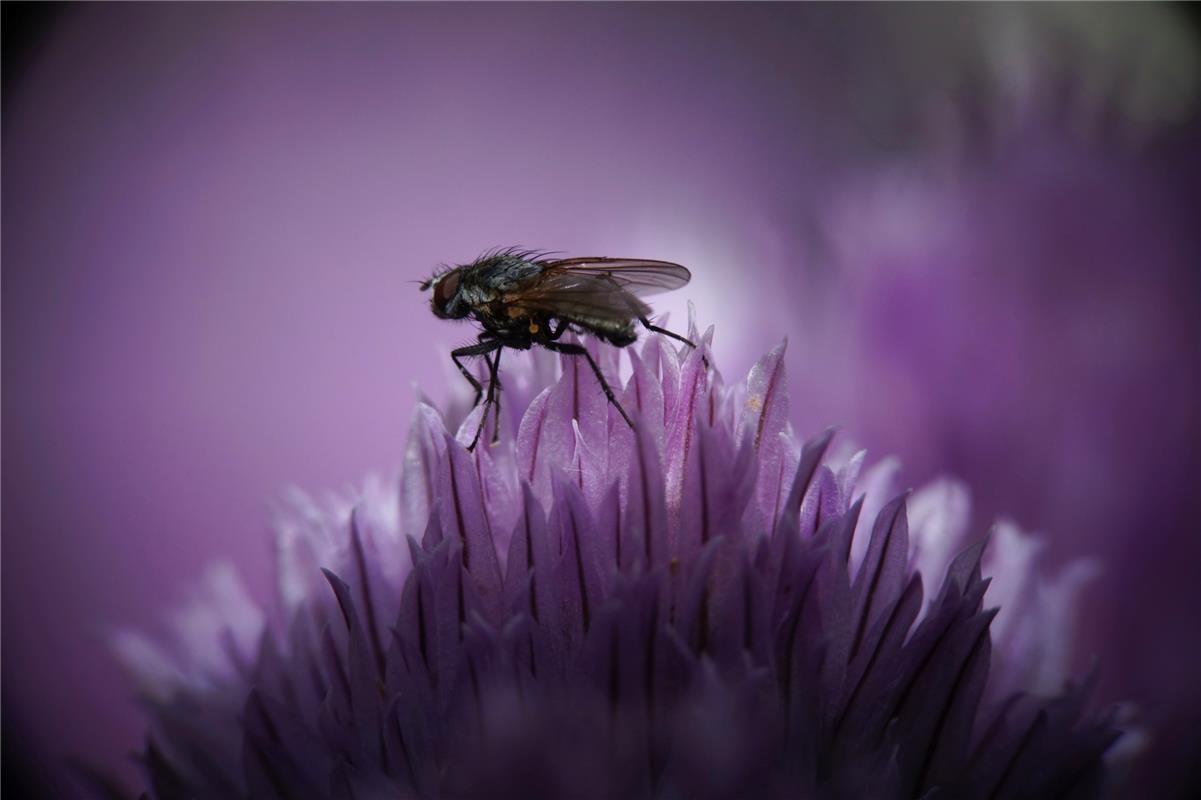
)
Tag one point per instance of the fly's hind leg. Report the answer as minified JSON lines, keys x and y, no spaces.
{"x":568,"y":349}
{"x":646,"y":323}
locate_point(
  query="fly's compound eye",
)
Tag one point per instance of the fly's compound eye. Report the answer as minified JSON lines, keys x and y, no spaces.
{"x":444,"y":292}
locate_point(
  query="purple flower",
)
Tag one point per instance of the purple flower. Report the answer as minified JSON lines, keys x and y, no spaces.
{"x":702,"y":607}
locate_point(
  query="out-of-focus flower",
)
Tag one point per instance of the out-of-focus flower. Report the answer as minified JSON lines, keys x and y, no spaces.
{"x":703,"y":607}
{"x":1002,"y":320}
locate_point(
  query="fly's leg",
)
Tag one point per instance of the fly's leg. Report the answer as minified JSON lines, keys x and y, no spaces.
{"x":576,"y":350}
{"x":491,"y":399}
{"x":494,"y":388}
{"x":481,"y":349}
{"x":646,"y":323}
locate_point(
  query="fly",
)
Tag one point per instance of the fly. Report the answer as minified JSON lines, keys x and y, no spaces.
{"x":522,"y":299}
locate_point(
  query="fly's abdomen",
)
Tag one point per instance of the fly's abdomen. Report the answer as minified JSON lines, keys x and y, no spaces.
{"x":618,"y":334}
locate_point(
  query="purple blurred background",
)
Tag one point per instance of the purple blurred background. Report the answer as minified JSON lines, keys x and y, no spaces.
{"x":978,"y":227}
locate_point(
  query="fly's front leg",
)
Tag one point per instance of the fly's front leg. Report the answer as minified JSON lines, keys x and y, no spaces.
{"x":481,"y":349}
{"x":577,"y":350}
{"x":494,"y":388}
{"x":492,"y":398}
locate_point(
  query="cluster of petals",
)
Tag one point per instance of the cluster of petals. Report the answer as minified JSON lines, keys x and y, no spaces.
{"x":700,"y":607}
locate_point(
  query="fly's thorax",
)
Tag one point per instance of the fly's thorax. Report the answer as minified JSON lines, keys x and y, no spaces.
{"x":476,"y":295}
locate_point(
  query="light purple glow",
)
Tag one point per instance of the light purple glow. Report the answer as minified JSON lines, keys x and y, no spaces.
{"x":214,"y":214}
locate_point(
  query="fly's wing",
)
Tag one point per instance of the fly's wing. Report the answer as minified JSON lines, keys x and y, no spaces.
{"x":638,"y":276}
{"x":576,"y":295}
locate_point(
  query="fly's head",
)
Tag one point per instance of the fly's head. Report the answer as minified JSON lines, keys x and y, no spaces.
{"x":447,"y":301}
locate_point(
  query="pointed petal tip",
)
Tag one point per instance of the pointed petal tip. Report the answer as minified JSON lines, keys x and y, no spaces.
{"x":334,"y":581}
